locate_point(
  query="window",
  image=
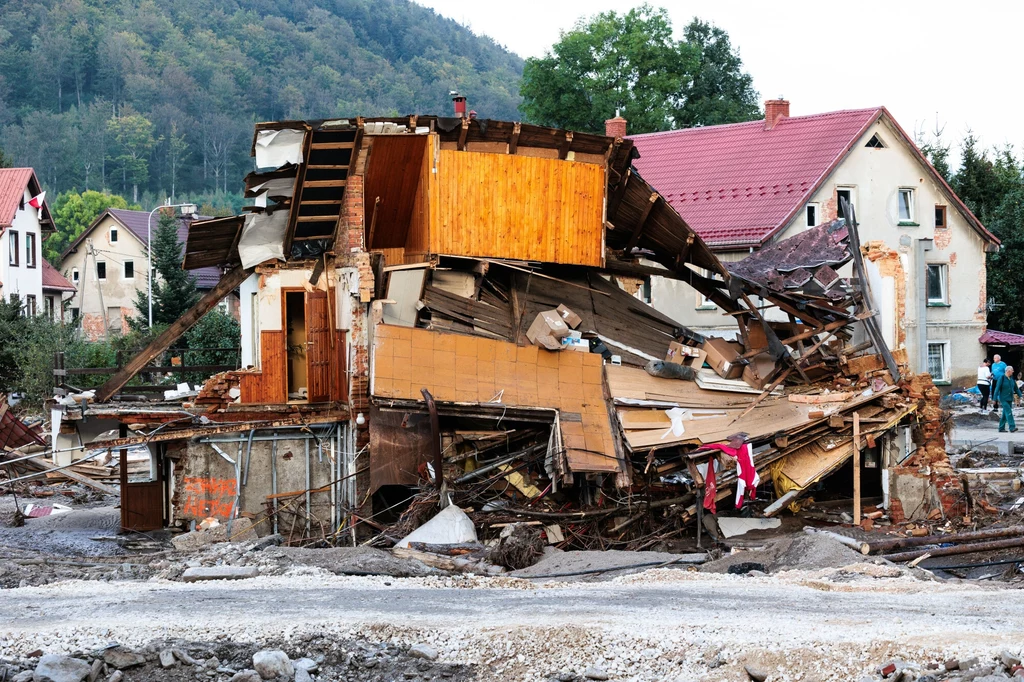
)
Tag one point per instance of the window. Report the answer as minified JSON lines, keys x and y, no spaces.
{"x":843,"y":194}
{"x":48,"y":307}
{"x":812,"y":215}
{"x":74,"y":275}
{"x":30,"y":249}
{"x":74,"y":314}
{"x":101,"y":269}
{"x":938,"y":360}
{"x":30,"y":306}
{"x":937,"y":288}
{"x":129,"y":269}
{"x":113,"y":235}
{"x":875,"y":142}
{"x":704,"y":303}
{"x":940,"y":216}
{"x":906,"y":206}
{"x":13,"y":248}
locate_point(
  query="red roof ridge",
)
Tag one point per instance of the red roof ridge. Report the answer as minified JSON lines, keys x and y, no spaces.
{"x":759,"y":122}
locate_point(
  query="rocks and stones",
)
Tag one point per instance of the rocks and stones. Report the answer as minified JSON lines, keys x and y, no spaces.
{"x":97,"y":669}
{"x":23,"y":676}
{"x":595,"y":673}
{"x":11,"y":518}
{"x":201,"y":573}
{"x":121,"y":658}
{"x":188,"y":660}
{"x":423,"y":651}
{"x":167,"y":659}
{"x":968,"y":664}
{"x":246,"y":676}
{"x":116,"y":676}
{"x":271,"y":663}
{"x":54,"y":668}
{"x":302,"y":676}
{"x":307,"y":664}
{"x":273,"y":540}
{"x":756,"y":674}
{"x":1009,"y":660}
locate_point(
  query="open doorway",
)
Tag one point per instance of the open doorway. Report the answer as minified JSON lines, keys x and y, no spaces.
{"x":295,"y":320}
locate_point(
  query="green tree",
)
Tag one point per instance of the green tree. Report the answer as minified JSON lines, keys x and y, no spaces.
{"x":978,"y":182}
{"x":1005,"y":285}
{"x":174,"y":289}
{"x":12,"y":334}
{"x":630,"y":63}
{"x":215,"y":330}
{"x":73,"y":212}
{"x":132,"y":134}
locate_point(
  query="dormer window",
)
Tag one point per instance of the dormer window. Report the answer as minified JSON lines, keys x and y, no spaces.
{"x":875,"y":142}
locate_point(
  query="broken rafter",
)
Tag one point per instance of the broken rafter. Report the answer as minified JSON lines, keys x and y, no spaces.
{"x":463,"y":134}
{"x":513,"y":142}
{"x":563,"y":150}
{"x":639,"y":228}
{"x":228,"y":283}
{"x":300,"y":176}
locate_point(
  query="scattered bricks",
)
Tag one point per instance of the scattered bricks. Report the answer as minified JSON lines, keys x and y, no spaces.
{"x":887,"y":669}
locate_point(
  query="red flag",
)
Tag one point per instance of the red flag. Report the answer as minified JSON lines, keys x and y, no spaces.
{"x":37,"y":201}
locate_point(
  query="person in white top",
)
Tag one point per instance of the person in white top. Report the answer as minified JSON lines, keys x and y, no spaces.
{"x":984,"y":381}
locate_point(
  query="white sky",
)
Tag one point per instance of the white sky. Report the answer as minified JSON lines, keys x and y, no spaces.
{"x":959,"y":62}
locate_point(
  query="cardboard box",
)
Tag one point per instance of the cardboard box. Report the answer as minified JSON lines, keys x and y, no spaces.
{"x":548,"y":330}
{"x":691,"y":356}
{"x":724,"y":357}
{"x":756,"y":338}
{"x":757,"y":373}
{"x":569,"y":317}
{"x":581,"y":345}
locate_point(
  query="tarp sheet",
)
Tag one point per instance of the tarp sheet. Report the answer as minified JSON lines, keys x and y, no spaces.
{"x":275,"y":148}
{"x":262,"y":238}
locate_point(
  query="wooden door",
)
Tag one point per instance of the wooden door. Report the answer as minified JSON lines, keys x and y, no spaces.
{"x":319,"y":344}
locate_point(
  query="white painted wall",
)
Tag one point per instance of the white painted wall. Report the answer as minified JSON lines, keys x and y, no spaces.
{"x":21,"y":279}
{"x":876,"y":176}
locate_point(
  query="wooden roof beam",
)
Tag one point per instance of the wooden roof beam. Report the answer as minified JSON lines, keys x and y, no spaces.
{"x":463,"y":134}
{"x":513,"y":142}
{"x":639,"y":228}
{"x":563,"y":149}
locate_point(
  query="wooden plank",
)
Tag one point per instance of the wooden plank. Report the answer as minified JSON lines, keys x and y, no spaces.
{"x":856,"y":467}
{"x":228,"y":283}
{"x":316,"y":219}
{"x":75,"y":476}
{"x":324,"y":183}
{"x":331,"y":145}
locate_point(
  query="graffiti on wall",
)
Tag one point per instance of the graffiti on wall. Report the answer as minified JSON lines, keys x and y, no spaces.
{"x":205,"y":497}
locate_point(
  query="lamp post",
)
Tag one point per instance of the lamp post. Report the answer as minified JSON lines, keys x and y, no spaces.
{"x":186,"y":208}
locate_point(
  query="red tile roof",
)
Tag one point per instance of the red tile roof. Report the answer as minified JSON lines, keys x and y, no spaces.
{"x":738,"y":184}
{"x":13,"y":182}
{"x":1001,"y":338}
{"x":53,"y":280}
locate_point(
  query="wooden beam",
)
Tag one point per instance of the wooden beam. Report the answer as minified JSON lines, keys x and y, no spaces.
{"x":324,"y":183}
{"x":620,"y":191}
{"x":513,"y":142}
{"x":685,"y":251}
{"x":563,"y":149}
{"x":463,"y":134}
{"x":639,"y":227}
{"x":293,"y":210}
{"x":331,"y":145}
{"x":856,"y":468}
{"x":228,"y":283}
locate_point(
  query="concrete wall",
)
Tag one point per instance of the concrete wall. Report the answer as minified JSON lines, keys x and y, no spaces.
{"x":875,"y":177}
{"x":20,"y":279}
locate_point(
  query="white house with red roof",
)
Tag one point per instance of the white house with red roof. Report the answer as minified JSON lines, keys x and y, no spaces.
{"x":107,"y":264}
{"x":22,"y":230}
{"x":743,"y":185}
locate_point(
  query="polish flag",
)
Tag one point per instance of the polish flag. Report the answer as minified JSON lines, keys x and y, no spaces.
{"x":37,"y":200}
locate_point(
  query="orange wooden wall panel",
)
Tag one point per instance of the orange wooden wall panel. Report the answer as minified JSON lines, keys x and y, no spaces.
{"x":268,"y":385}
{"x":457,"y":368}
{"x":502,"y":206}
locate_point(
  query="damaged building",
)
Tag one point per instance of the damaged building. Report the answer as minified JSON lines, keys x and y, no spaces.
{"x":451,"y":304}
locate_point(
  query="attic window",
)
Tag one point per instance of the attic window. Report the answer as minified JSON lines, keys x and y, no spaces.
{"x":875,"y":143}
{"x":113,"y":235}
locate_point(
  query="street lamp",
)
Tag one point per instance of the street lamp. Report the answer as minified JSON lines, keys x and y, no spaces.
{"x":185,"y":209}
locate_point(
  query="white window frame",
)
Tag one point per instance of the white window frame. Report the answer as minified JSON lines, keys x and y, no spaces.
{"x":853,"y":197}
{"x":945,"y":351}
{"x":816,"y":207}
{"x":943,"y":280}
{"x":911,"y":200}
{"x":704,"y":303}
{"x":102,"y":277}
{"x":124,"y":269}
{"x":31,"y":305}
{"x":75,"y":276}
{"x":114,"y":235}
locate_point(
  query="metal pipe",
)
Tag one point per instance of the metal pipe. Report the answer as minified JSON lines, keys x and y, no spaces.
{"x":248,"y":458}
{"x":477,"y":473}
{"x":43,"y":473}
{"x":307,"y":488}
{"x":350,"y":479}
{"x":245,"y":439}
{"x":273,"y":479}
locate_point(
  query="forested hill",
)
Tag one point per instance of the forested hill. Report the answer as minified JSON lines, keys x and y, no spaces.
{"x":155,"y":94}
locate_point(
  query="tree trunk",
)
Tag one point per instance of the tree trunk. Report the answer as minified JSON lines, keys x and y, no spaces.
{"x":135,"y":193}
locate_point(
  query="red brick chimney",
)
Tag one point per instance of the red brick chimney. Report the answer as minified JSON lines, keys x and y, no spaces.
{"x":774,"y":109}
{"x":615,"y":127}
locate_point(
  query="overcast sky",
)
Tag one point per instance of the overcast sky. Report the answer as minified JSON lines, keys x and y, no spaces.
{"x":959,"y":62}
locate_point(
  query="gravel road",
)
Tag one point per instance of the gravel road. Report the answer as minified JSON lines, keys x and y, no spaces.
{"x":661,"y":625}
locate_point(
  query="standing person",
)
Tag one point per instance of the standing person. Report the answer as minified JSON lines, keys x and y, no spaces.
{"x":998,"y":373}
{"x":984,"y":382}
{"x":1006,"y":390}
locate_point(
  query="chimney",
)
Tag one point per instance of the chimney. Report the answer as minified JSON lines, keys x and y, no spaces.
{"x":459,"y":102}
{"x":774,"y":109}
{"x":615,"y":127}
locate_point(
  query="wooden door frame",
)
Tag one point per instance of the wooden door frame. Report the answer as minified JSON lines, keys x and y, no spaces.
{"x":332,"y":328}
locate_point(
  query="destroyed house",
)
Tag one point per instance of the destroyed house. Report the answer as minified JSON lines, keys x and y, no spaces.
{"x":449,"y":303}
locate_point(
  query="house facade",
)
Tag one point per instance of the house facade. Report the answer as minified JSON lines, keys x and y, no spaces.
{"x":22,"y":231}
{"x":742,"y":186}
{"x":107,"y":265}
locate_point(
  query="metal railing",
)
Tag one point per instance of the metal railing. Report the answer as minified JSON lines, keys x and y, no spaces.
{"x":177,"y":368}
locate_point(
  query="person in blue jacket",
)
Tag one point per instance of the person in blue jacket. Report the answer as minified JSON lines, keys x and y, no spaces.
{"x":1005,"y":391}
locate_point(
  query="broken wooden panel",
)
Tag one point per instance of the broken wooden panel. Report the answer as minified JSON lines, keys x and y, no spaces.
{"x":399,"y":443}
{"x":468,"y":369}
{"x":394,"y":182}
{"x":500,"y":206}
{"x":268,"y":384}
{"x":492,"y":319}
{"x":319,"y":345}
{"x":213,"y":243}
